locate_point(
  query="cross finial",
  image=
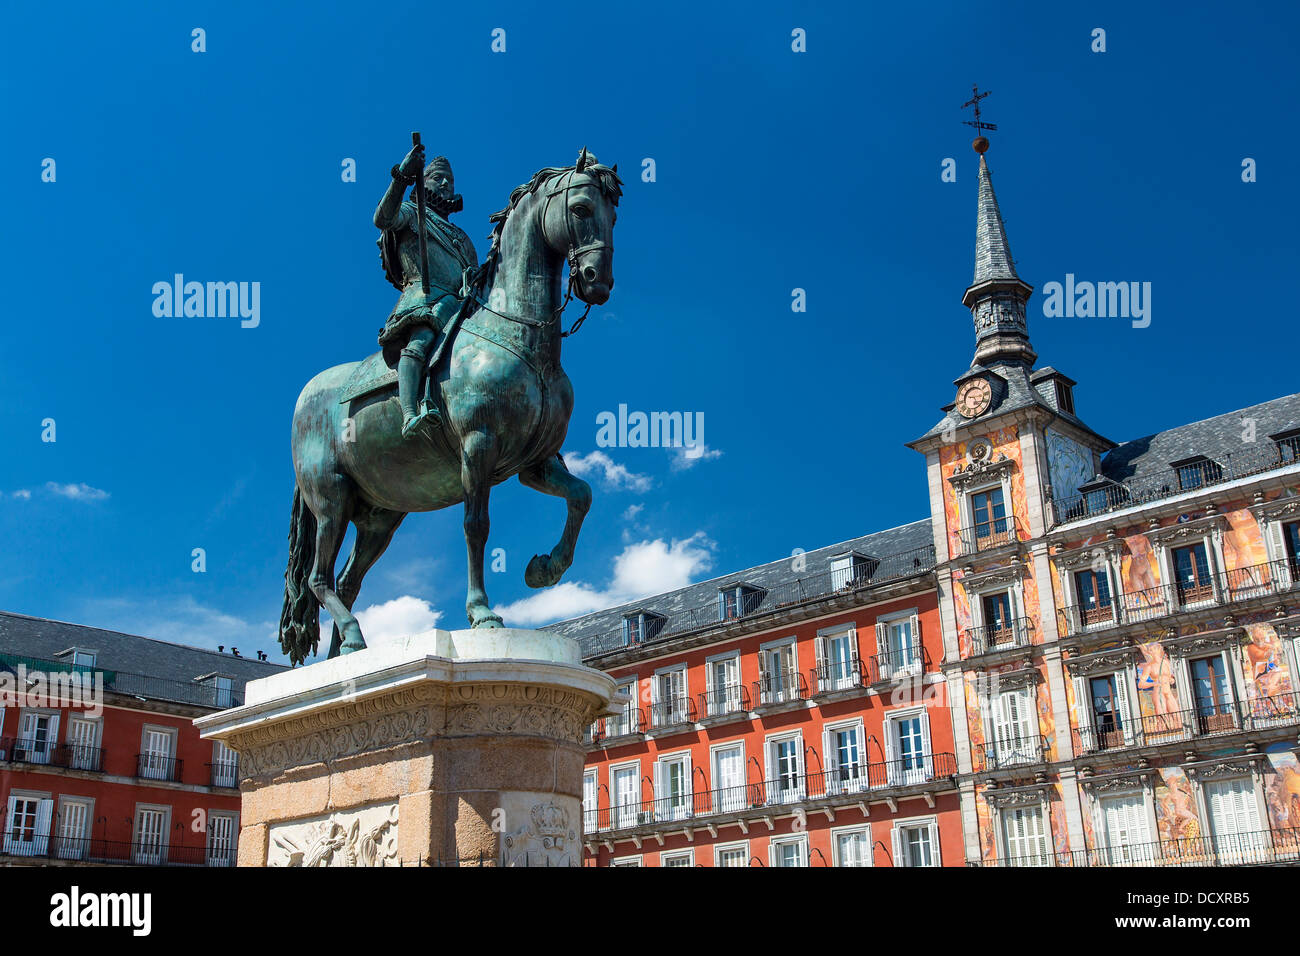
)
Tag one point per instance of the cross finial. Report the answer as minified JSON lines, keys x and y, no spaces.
{"x":981,"y":141}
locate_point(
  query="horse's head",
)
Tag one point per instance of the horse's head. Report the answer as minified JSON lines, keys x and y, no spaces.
{"x":578,"y":218}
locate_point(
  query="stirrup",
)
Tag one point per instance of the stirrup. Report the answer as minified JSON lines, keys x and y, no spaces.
{"x":411,"y":425}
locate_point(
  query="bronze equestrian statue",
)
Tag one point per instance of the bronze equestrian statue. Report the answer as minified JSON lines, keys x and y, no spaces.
{"x":498,"y":400}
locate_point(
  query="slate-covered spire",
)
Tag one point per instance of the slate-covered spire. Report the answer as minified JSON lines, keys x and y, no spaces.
{"x":997,"y":296}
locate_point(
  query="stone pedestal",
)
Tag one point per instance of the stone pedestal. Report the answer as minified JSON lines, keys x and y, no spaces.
{"x":446,"y":746}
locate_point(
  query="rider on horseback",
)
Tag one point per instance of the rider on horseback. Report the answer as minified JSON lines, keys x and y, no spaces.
{"x":417,"y":321}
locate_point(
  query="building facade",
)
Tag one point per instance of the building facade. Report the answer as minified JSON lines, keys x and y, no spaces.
{"x":1085,"y":656}
{"x":99,"y":758}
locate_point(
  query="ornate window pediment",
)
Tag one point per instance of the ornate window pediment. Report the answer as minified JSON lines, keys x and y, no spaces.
{"x":1227,"y":767}
{"x":1125,"y":782}
{"x":1004,"y":576}
{"x":981,"y":470}
{"x":1089,"y":556}
{"x":1197,"y":644}
{"x":1283,"y":509}
{"x":1103,"y":662}
{"x":1001,"y":799}
{"x":1187,"y":531}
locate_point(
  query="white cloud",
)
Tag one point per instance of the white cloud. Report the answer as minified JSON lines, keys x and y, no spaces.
{"x":643,"y":568}
{"x":614,"y":475}
{"x":78,"y":492}
{"x":400,"y":617}
{"x":632,"y":511}
{"x":683,"y":457}
{"x":22,"y":493}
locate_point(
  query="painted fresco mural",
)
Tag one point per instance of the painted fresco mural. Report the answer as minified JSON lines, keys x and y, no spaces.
{"x":1069,"y":464}
{"x":1282,"y":787}
{"x":1176,"y":816}
{"x":1005,"y":441}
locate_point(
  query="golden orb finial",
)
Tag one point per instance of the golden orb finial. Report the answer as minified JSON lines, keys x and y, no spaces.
{"x":980,"y":144}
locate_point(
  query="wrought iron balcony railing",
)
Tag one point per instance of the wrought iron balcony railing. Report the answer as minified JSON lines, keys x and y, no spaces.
{"x":1136,"y":607}
{"x":780,"y":687}
{"x":1000,"y":635}
{"x":1257,"y":848}
{"x":35,"y":751}
{"x":898,"y":663}
{"x":1149,"y":730}
{"x":833,"y":676}
{"x":724,"y":701}
{"x":1004,"y":753}
{"x":986,"y":535}
{"x":158,"y":767}
{"x":672,"y":712}
{"x":783,"y":790}
{"x":224,"y":774}
{"x":630,"y":722}
{"x":118,"y":853}
{"x":1265,"y":456}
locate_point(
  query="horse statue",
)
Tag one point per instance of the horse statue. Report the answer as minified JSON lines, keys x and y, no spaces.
{"x":505,"y":404}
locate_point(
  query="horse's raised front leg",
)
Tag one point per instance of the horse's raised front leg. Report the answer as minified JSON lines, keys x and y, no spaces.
{"x":551,"y":477}
{"x":478,"y":458}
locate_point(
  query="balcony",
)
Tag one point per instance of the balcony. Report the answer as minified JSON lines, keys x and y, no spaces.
{"x":1207,"y":720}
{"x":632,"y":722}
{"x":838,"y":678}
{"x":1258,"y":848}
{"x":1000,"y":636}
{"x":897,"y":663}
{"x":850,"y":783}
{"x":672,"y":712}
{"x":158,"y":767}
{"x":783,"y":687}
{"x":43,"y":752}
{"x":989,"y":535}
{"x":223,"y":774}
{"x":1224,"y":589}
{"x":84,"y":850}
{"x":1009,"y":753}
{"x":731,"y":700}
{"x":1111,"y":496}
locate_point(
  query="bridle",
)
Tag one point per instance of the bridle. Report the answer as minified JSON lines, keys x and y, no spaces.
{"x":575,"y":250}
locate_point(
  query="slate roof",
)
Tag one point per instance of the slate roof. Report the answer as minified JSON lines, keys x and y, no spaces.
{"x":1216,"y":438}
{"x":159,"y":662}
{"x":593,"y":631}
{"x":992,"y":249}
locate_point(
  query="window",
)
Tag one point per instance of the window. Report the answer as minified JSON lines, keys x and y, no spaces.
{"x":1288,"y":446}
{"x":1192,"y":574}
{"x":1291,"y":542}
{"x":73,"y":829}
{"x":851,"y":570}
{"x":626,"y":861}
{"x":669,"y":706}
{"x":1104,"y":706}
{"x":27,"y":825}
{"x":221,"y":839}
{"x":907,"y":748}
{"x":731,"y":854}
{"x":1025,"y":836}
{"x":1093,"y":590}
{"x":989,"y":511}
{"x":737,"y":601}
{"x":38,"y":735}
{"x":1197,"y":472}
{"x":1126,"y":829}
{"x":627,"y":795}
{"x":1210,"y":691}
{"x":842,"y":758}
{"x":677,"y":858}
{"x":723,"y":692}
{"x":1015,"y":729}
{"x":1235,"y":820}
{"x":778,"y":673}
{"x":916,"y":843}
{"x":156,"y":748}
{"x":83,"y":744}
{"x":898,"y":646}
{"x":1064,"y":397}
{"x":998,"y":619}
{"x":673,"y":788}
{"x":785,"y":769}
{"x":729,"y":778}
{"x":852,"y":847}
{"x":641,"y":626}
{"x":1107,"y":718}
{"x":789,"y":851}
{"x":590,"y":795}
{"x":225,"y":691}
{"x":837,"y":655}
{"x":625,"y":722}
{"x":83,"y":658}
{"x":225,"y":765}
{"x":150,"y":844}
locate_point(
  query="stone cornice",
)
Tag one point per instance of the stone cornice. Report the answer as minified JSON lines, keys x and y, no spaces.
{"x":1005,"y":575}
{"x":1124,"y":781}
{"x":1207,"y":643}
{"x":1233,"y":766}
{"x":1281,"y":509}
{"x":1018,"y":797}
{"x":1088,"y":555}
{"x":1196,"y":528}
{"x":1111,"y":659}
{"x":978,"y":472}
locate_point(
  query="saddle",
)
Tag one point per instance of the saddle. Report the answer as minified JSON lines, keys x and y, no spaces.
{"x":371,"y":375}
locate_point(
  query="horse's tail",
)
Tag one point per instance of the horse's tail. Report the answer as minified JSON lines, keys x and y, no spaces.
{"x":300,"y":616}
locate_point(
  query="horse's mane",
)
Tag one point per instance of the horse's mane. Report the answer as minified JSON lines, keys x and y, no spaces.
{"x":611,"y":187}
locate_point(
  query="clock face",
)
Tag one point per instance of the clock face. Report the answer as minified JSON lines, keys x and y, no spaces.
{"x":973,"y":397}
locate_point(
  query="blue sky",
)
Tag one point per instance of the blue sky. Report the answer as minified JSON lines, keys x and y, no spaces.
{"x":775,"y":170}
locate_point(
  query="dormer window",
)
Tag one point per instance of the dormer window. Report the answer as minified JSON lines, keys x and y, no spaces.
{"x":83,"y":658}
{"x":1064,"y":397}
{"x":737,"y":600}
{"x":851,"y":569}
{"x":1197,"y":472}
{"x":641,"y":626}
{"x":1288,"y":445}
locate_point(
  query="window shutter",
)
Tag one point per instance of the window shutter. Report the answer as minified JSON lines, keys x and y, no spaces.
{"x":1083,"y":710}
{"x":830,"y":758}
{"x":44,"y":812}
{"x":823,"y":668}
{"x":925,"y":745}
{"x":1275,"y":542}
{"x":52,"y":740}
{"x":1124,"y":700}
{"x":935,"y":858}
{"x":1228,"y":680}
{"x":28,"y":731}
{"x":9,"y":825}
{"x":891,"y":729}
{"x":914,"y":623}
{"x":882,"y":647}
{"x":896,"y":838}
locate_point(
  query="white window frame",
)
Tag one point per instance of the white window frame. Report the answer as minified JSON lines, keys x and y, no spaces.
{"x":1068,"y":565}
{"x":826,"y":636}
{"x":80,"y":850}
{"x":1125,"y":679}
{"x":835,"y":783}
{"x":631,"y":859}
{"x":664,"y":808}
{"x":1254,"y":846}
{"x":167,"y":768}
{"x":628,"y":718}
{"x":227,"y":860}
{"x":230,"y":766}
{"x":687,"y":854}
{"x":42,"y":822}
{"x":79,"y":761}
{"x":777,"y":794}
{"x":1123,"y":854}
{"x":890,"y":669}
{"x":619,"y":818}
{"x":898,"y":844}
{"x":857,"y":828}
{"x":786,"y":693}
{"x":23,"y":743}
{"x":799,"y":840}
{"x":711,"y":689}
{"x":662,"y":713}
{"x":966,"y":507}
{"x":591,"y":814}
{"x":1164,"y":541}
{"x":721,"y":848}
{"x":1018,"y":753}
{"x":736,"y":796}
{"x":895,"y":773}
{"x":138,"y":853}
{"x":1003,"y":817}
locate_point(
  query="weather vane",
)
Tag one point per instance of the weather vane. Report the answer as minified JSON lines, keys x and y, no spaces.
{"x":981,"y":143}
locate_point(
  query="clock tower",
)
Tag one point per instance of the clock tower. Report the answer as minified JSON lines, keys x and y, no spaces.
{"x":1008,"y":445}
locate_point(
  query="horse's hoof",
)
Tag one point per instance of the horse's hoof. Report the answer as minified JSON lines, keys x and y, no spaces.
{"x":538,"y":572}
{"x":352,"y":639}
{"x":486,"y":620}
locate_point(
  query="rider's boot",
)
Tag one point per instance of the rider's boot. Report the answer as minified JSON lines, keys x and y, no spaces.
{"x":409,"y":368}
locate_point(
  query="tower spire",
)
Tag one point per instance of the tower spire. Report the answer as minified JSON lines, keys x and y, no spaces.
{"x":997,"y":295}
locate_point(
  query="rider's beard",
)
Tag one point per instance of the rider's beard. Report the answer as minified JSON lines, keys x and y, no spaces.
{"x":445,"y":207}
